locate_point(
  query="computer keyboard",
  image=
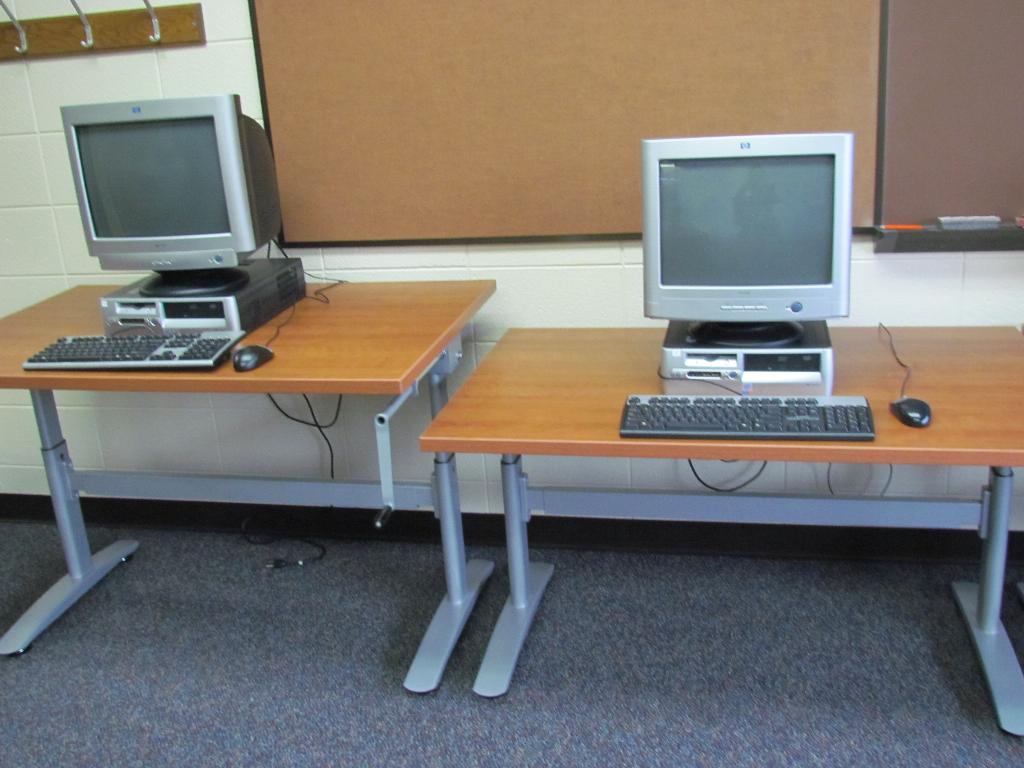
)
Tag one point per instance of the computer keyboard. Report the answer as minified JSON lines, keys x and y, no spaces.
{"x":182,"y":351}
{"x":756,"y":417}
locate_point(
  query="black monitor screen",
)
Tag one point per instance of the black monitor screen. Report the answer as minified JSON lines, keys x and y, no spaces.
{"x":747,"y":221}
{"x":153,"y":179}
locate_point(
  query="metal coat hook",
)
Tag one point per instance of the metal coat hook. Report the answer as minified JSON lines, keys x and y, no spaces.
{"x":88,"y":42}
{"x":22,"y":46}
{"x":155,"y":37}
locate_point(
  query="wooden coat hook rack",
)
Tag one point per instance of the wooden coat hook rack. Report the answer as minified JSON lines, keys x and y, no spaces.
{"x":82,"y":33}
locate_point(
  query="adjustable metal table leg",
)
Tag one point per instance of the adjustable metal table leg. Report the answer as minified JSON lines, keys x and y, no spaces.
{"x":84,"y":568}
{"x":981,"y":604}
{"x":527,"y":582}
{"x":463,"y":579}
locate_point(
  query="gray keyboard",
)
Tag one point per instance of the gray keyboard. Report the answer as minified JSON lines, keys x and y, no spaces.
{"x":758,"y":417}
{"x":182,"y":351}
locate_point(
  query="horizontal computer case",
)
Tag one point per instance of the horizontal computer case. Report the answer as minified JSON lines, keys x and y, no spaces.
{"x":273,"y":286}
{"x":802,"y":368}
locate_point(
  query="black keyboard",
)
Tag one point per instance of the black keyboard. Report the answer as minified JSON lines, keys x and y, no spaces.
{"x":182,"y":351}
{"x":758,"y":417}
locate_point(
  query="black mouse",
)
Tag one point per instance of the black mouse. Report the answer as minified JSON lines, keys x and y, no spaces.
{"x":251,"y":357}
{"x":911,"y":411}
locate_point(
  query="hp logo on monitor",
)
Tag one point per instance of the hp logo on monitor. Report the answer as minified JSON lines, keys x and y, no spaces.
{"x":744,"y":145}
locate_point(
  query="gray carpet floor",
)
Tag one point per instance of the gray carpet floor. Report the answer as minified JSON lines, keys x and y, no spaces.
{"x":195,"y":654}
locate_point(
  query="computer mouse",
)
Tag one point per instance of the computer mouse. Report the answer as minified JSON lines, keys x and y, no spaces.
{"x":251,"y":357}
{"x":911,"y":411}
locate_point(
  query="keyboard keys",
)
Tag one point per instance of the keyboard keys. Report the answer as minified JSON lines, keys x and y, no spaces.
{"x":726,"y":417}
{"x":205,"y":350}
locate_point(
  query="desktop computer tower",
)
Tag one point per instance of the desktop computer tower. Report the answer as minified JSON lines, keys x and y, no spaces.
{"x":802,"y":368}
{"x":273,"y":286}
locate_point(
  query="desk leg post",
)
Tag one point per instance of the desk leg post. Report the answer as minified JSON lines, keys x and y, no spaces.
{"x":980,"y":606}
{"x":527,"y":582}
{"x":993,"y":564}
{"x":463,"y":579}
{"x":84,"y":568}
{"x":66,"y":507}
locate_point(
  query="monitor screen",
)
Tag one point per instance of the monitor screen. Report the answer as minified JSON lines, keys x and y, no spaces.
{"x":746,"y":221}
{"x":153,"y":179}
{"x":752,"y":229}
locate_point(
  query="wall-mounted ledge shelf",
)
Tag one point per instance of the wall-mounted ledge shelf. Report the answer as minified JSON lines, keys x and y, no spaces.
{"x":1007,"y":238}
{"x":111,"y":31}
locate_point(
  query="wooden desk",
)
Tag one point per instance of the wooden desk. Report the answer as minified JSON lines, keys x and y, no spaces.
{"x":371,"y":338}
{"x":560,"y":392}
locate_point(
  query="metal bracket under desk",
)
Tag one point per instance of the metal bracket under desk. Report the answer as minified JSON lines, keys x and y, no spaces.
{"x":980,"y":603}
{"x":464,"y":580}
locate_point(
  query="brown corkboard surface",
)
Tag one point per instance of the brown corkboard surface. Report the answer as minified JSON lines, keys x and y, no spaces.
{"x":954,"y":111}
{"x":405,"y":120}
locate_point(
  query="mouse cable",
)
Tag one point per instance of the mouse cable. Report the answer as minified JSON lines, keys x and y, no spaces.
{"x":895,"y":354}
{"x":280,"y":562}
{"x":314,"y":422}
{"x":279,"y":326}
{"x":744,"y":484}
{"x":832,"y":491}
{"x":320,"y":294}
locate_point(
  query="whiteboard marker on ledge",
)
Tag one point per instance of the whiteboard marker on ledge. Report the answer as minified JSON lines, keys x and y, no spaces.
{"x":969,"y":222}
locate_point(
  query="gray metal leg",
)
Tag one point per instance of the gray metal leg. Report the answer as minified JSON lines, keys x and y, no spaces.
{"x":981,"y":604}
{"x":463,"y":580}
{"x":84,"y":568}
{"x":527,"y":582}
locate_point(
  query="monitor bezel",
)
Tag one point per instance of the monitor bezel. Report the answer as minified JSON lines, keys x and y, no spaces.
{"x":746,"y":303}
{"x":172,"y":252}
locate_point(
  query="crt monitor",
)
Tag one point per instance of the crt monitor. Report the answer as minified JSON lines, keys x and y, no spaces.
{"x":185,"y":187}
{"x":747,"y":235}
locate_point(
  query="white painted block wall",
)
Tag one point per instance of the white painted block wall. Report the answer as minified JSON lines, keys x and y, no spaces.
{"x":42,"y":252}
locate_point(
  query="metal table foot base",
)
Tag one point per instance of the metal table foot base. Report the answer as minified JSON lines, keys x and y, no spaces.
{"x":998,"y":661}
{"x":509,"y":634}
{"x":61,"y":596}
{"x":444,"y":631}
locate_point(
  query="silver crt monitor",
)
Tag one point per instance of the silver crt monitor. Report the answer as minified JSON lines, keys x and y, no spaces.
{"x":185,"y":187}
{"x":747,"y":228}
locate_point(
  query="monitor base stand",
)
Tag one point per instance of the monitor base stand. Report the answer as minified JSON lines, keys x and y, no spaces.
{"x":747,"y":334}
{"x":195,"y":282}
{"x":802,"y":366}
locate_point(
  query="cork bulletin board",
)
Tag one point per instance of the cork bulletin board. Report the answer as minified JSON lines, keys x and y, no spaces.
{"x":954,"y":111}
{"x":405,"y":120}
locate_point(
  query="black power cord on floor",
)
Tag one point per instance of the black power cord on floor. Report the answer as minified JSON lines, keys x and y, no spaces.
{"x":280,"y":562}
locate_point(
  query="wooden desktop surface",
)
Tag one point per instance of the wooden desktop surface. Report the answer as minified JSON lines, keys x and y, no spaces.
{"x":372,"y":338}
{"x":561,"y":391}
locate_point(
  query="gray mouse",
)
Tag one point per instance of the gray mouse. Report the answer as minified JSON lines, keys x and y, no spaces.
{"x":912,"y":411}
